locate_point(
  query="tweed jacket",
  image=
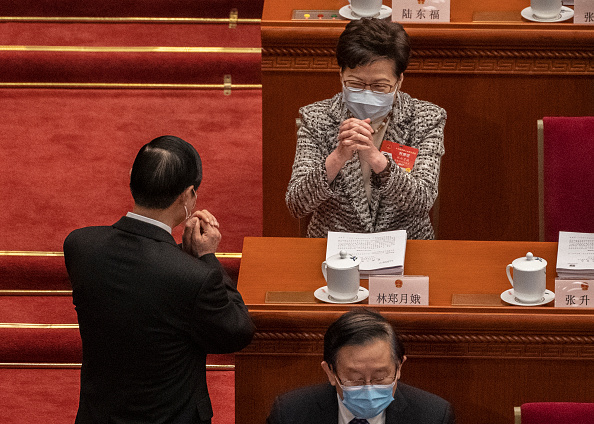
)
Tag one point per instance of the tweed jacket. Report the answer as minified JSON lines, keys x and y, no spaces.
{"x":402,"y":201}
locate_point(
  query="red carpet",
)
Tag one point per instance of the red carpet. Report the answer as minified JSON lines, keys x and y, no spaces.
{"x":66,"y":154}
{"x":66,"y":157}
{"x":129,"y":67}
{"x":119,"y":34}
{"x":160,"y":8}
{"x":50,"y":396}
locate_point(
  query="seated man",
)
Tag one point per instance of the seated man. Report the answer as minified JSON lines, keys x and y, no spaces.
{"x":362,"y":359}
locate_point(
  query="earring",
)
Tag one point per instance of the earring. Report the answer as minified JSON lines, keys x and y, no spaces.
{"x":187,"y":214}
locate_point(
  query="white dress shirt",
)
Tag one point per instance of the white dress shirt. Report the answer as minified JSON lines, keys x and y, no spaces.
{"x":149,"y":220}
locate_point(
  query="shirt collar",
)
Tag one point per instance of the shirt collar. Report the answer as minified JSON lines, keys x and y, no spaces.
{"x":149,"y":221}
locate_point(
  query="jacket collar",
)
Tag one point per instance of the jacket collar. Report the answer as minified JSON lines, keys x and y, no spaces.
{"x":144,"y":229}
{"x":397,"y":407}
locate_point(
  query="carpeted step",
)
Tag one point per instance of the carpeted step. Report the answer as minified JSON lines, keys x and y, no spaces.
{"x":133,"y":8}
{"x":44,"y":329}
{"x":46,"y":270}
{"x":71,"y":151}
{"x":128,"y":34}
{"x":50,"y":395}
{"x":28,"y":272}
{"x":129,"y":65}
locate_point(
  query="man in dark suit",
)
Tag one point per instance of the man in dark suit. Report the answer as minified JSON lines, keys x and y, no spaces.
{"x":362,"y":359}
{"x":149,"y":310}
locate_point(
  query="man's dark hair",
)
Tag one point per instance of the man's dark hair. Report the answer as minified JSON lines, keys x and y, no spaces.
{"x":360,"y":327}
{"x":162,"y":170}
{"x":365,"y":40}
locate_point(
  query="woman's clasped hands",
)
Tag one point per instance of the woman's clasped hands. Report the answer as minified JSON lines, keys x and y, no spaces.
{"x":356,"y":135}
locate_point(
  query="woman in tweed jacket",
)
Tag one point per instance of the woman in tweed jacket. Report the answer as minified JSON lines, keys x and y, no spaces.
{"x":340,"y":175}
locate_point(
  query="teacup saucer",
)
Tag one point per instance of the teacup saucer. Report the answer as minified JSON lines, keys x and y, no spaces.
{"x":322,"y":294}
{"x":346,"y":12}
{"x":508,"y":297}
{"x":565,"y":14}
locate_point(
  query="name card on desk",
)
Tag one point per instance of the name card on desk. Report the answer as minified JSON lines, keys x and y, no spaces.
{"x":398,"y":290}
{"x":574,"y":293}
{"x":583,"y":12}
{"x":421,"y":11}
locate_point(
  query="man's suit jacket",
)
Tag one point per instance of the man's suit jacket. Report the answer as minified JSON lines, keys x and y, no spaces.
{"x":319,"y":405}
{"x":148,"y":314}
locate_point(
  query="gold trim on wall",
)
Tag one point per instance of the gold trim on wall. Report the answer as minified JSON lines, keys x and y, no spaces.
{"x":29,"y":253}
{"x":37,"y":326}
{"x":35,"y":292}
{"x":38,"y":365}
{"x":128,"y":20}
{"x":107,"y":85}
{"x":132,"y":49}
{"x":209,"y":367}
{"x":230,"y":255}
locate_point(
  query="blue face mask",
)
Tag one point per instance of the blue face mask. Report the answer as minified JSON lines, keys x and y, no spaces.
{"x":369,"y":400}
{"x":365,"y":104}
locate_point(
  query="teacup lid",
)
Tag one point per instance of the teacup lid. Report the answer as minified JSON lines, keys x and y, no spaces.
{"x":343,"y":260}
{"x":529,"y":263}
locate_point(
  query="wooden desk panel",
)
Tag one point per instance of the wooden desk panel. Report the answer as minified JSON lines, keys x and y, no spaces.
{"x":494,"y":80}
{"x":484,"y":360}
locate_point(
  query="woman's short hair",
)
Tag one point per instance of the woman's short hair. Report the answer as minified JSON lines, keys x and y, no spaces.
{"x":365,"y":40}
{"x":162,"y":170}
{"x":357,"y":328}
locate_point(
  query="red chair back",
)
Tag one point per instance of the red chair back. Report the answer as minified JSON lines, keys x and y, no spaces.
{"x":557,"y":413}
{"x":568,"y":174}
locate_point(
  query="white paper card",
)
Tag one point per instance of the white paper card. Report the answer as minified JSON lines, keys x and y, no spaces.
{"x":377,"y":251}
{"x":574,"y":293}
{"x":421,"y":11}
{"x":583,"y":12}
{"x":402,"y":290}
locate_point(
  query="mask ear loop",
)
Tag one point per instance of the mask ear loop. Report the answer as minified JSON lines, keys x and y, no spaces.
{"x":189,"y":215}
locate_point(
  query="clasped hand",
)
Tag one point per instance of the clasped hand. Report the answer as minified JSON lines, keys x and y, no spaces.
{"x":201,"y":234}
{"x":356,"y":135}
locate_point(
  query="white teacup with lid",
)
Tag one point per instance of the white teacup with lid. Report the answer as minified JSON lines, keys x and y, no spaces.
{"x":366,"y":8}
{"x":529,"y":278}
{"x":341,"y":272}
{"x":546,"y":9}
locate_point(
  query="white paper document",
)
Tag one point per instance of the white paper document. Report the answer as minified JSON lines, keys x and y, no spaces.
{"x":379,"y":252}
{"x":575,"y":254}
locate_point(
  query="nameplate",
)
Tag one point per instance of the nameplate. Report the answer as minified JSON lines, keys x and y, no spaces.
{"x":583,"y":12}
{"x":574,"y":293}
{"x":398,"y":290}
{"x":421,"y":11}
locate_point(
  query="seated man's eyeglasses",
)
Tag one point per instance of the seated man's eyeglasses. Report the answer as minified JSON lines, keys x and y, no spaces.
{"x":387,"y":380}
{"x":379,"y":88}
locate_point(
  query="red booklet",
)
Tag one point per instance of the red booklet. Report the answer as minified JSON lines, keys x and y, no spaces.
{"x":404,"y":156}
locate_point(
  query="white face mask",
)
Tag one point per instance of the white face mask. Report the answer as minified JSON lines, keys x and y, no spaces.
{"x":365,"y":104}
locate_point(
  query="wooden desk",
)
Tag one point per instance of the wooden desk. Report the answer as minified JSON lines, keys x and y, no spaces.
{"x":485,"y":360}
{"x":494,"y":79}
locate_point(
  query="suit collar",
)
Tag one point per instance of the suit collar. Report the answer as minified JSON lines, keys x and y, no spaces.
{"x":327,"y":405}
{"x":144,"y":229}
{"x":396,"y":409}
